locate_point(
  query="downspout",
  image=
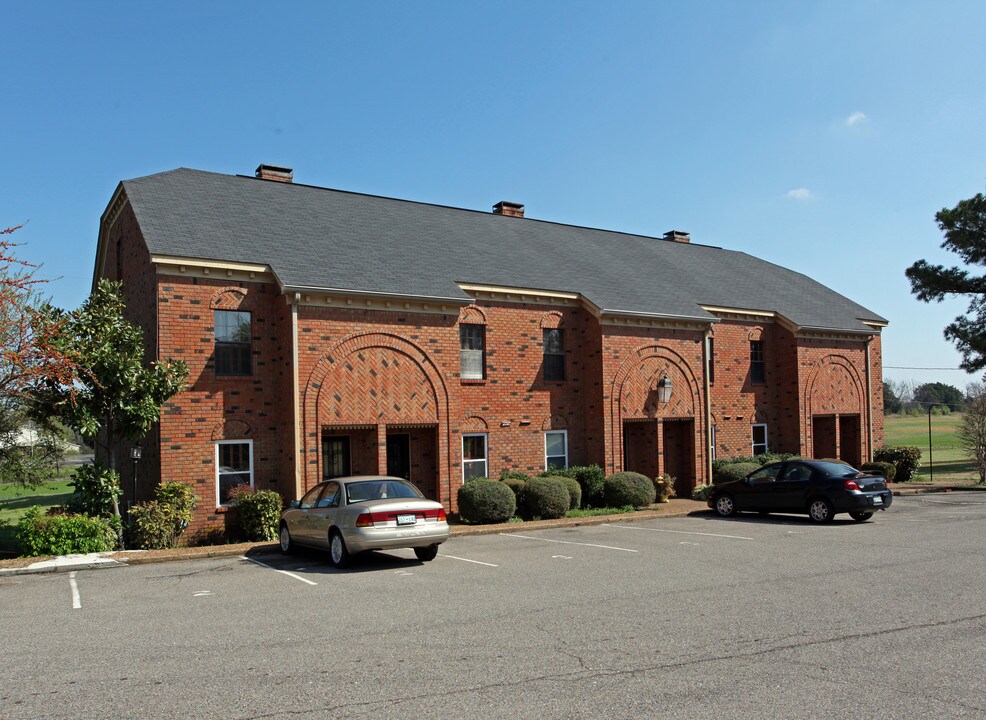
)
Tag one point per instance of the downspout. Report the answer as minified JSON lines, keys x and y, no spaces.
{"x":869,"y":404}
{"x":295,"y":390}
{"x":706,"y":360}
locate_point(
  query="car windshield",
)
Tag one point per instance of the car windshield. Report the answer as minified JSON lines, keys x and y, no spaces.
{"x":836,"y":469}
{"x":379,"y":490}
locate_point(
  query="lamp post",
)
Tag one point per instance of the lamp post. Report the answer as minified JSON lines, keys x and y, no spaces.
{"x":135,"y":456}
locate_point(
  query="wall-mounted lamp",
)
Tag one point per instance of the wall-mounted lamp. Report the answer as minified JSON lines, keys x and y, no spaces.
{"x":664,"y":389}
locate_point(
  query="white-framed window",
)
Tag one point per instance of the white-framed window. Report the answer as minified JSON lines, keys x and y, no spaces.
{"x":234,"y":466}
{"x":474,"y":463}
{"x":760,"y":439}
{"x":556,"y":450}
{"x":472,"y":352}
{"x":712,"y":442}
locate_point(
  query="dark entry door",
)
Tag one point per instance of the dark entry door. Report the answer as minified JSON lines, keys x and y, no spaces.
{"x":335,"y":456}
{"x":399,"y":456}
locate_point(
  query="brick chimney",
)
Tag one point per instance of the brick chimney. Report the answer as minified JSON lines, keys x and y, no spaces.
{"x":677,"y":236}
{"x":273,"y":172}
{"x":509,"y":208}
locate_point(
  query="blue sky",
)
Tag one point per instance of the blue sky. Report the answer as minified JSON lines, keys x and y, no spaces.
{"x":821,"y":136}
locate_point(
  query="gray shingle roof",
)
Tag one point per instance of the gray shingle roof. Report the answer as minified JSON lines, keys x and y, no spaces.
{"x":319,"y":238}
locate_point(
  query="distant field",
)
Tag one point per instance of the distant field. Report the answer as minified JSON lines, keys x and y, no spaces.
{"x":951,"y":465}
{"x":15,"y":500}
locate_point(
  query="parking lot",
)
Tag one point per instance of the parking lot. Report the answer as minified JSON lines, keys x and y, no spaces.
{"x":695,"y":617}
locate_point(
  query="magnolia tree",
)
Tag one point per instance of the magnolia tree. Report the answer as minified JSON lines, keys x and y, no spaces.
{"x":115,"y":396}
{"x":30,"y":355}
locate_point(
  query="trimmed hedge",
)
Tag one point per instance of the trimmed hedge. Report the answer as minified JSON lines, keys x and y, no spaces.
{"x":574,"y":490}
{"x":64,"y":533}
{"x":733,"y":471}
{"x":590,"y":479}
{"x":515,"y":484}
{"x":545,"y":497}
{"x":906,"y":458}
{"x":484,"y":501}
{"x":514,"y":475}
{"x":701,"y":492}
{"x":888,"y":470}
{"x":259,"y":514}
{"x":629,"y":488}
{"x":160,"y":523}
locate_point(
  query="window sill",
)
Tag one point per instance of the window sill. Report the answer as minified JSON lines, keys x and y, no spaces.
{"x":472,"y":381}
{"x":223,"y":509}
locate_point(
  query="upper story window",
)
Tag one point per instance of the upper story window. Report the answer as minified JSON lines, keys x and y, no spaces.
{"x":472,"y":352}
{"x":233,"y":335}
{"x":758,"y":368}
{"x":711,"y":349}
{"x":554,"y":354}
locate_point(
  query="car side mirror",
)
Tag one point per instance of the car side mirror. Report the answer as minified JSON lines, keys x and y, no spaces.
{"x":294,"y":504}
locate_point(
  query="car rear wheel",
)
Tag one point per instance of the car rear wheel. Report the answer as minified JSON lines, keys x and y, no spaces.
{"x":426,"y":553}
{"x":820,"y":510}
{"x":338,"y":552}
{"x":860,"y":516}
{"x":725,"y":505}
{"x":284,"y":539}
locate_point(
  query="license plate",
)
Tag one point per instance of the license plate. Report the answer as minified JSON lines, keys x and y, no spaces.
{"x":878,"y":500}
{"x":407,"y":519}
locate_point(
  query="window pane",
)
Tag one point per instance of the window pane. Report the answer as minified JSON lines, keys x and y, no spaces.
{"x":554,"y":341}
{"x":555,"y":443}
{"x":472,"y":337}
{"x":556,"y":463}
{"x":471,"y":364}
{"x":232,"y":326}
{"x":758,"y":370}
{"x":234,"y":457}
{"x":232,"y":330}
{"x":554,"y":367}
{"x":474,"y":447}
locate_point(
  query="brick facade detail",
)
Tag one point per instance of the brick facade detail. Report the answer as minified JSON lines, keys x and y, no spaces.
{"x":385,"y":383}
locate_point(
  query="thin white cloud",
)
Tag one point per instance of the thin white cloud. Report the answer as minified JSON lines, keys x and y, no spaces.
{"x":801,"y":194}
{"x":857,"y":118}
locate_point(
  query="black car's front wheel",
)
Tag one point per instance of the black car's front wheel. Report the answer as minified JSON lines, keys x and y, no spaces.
{"x":725,"y":505}
{"x":860,"y":516}
{"x":426,"y":553}
{"x":820,"y":510}
{"x":338,"y":552}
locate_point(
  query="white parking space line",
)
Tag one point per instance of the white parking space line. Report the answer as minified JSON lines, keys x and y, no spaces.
{"x":76,"y":598}
{"x":567,"y":542}
{"x":283,"y":572}
{"x":477,"y":562}
{"x":677,"y":532}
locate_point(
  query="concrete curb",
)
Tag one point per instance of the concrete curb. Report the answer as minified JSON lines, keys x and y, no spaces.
{"x":675,"y":508}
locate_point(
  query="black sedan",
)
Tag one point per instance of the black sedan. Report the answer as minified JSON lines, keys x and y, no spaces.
{"x":817,"y":487}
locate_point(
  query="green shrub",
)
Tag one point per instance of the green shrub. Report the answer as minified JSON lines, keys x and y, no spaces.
{"x":629,"y":488}
{"x":733,"y":471}
{"x":701,"y":492}
{"x":160,"y":523}
{"x":573,"y":488}
{"x":906,"y":458}
{"x":485,"y":501}
{"x":63,"y":534}
{"x":590,"y":479}
{"x":259,"y":514}
{"x":515,"y":484}
{"x":888,"y":470}
{"x":544,"y":497}
{"x":514,"y":475}
{"x":96,"y":486}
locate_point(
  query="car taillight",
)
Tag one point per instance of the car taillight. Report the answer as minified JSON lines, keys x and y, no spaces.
{"x":437,"y":515}
{"x":851,"y":485}
{"x":365,"y":519}
{"x":441,"y":515}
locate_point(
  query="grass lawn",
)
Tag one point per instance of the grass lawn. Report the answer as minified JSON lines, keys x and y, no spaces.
{"x":951,"y":465}
{"x":15,"y":500}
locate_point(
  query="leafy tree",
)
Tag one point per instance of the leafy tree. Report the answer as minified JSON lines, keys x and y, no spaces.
{"x":939,"y":393}
{"x":891,"y":401}
{"x":964,"y":227}
{"x":972,"y":434}
{"x":115,"y":395}
{"x":28,"y":355}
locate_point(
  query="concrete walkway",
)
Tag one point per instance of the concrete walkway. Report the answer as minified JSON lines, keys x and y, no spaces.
{"x":676,"y":507}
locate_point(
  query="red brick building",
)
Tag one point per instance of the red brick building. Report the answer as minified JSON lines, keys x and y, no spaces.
{"x":331,"y":333}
